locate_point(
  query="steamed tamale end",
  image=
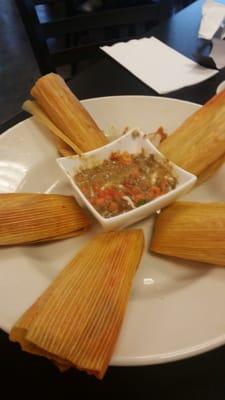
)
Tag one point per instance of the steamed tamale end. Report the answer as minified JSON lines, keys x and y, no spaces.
{"x":19,"y":332}
{"x":211,"y":170}
{"x":64,"y":149}
{"x":33,"y":217}
{"x":89,"y":301}
{"x":200,"y":140}
{"x":189,"y":230}
{"x":34,"y":109}
{"x":68,"y":114}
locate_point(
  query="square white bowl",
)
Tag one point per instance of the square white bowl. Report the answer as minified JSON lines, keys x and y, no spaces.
{"x":133,"y":144}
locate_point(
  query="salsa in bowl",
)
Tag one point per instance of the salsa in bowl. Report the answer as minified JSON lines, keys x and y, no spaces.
{"x":125,"y":181}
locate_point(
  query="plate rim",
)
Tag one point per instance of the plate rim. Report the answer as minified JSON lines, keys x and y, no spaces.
{"x":90,"y":99}
{"x":162,"y":358}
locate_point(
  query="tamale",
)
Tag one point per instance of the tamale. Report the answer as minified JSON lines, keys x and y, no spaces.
{"x":64,"y":145}
{"x":67,"y":113}
{"x":200,"y":140}
{"x":211,"y":170}
{"x":193,"y":231}
{"x":33,"y":217}
{"x":20,"y":329}
{"x":63,"y":148}
{"x":78,"y":318}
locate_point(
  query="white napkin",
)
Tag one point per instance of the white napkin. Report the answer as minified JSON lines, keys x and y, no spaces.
{"x":157,"y":65}
{"x":213,"y":14}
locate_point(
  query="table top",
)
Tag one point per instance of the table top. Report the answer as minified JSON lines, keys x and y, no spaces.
{"x":108,"y":78}
{"x":198,"y":377}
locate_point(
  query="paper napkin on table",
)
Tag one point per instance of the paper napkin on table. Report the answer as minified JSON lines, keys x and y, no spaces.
{"x":158,"y":65}
{"x":213,"y":15}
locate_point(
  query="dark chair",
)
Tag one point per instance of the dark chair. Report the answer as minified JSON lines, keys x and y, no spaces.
{"x":70,"y":39}
{"x":179,"y":4}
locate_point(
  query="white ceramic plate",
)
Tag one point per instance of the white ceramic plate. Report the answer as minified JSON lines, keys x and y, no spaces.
{"x":176,"y":308}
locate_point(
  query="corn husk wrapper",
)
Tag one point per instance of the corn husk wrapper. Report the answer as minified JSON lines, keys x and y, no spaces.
{"x":193,"y":231}
{"x":20,"y":330}
{"x":200,"y":140}
{"x":63,"y":148}
{"x":33,"y":217}
{"x":63,"y":144}
{"x":77,"y":320}
{"x":67,"y":113}
{"x":211,"y":170}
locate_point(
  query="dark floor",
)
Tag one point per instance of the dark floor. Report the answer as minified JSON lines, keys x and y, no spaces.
{"x":18,"y":68}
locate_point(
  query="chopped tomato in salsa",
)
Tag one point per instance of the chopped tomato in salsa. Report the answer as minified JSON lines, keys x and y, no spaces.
{"x":125,"y":181}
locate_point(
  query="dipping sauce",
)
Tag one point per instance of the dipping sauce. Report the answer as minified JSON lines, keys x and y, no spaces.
{"x":125,"y":181}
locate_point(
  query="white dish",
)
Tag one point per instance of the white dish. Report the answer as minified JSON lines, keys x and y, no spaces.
{"x":220,"y":87}
{"x":176,"y":308}
{"x":133,"y":144}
